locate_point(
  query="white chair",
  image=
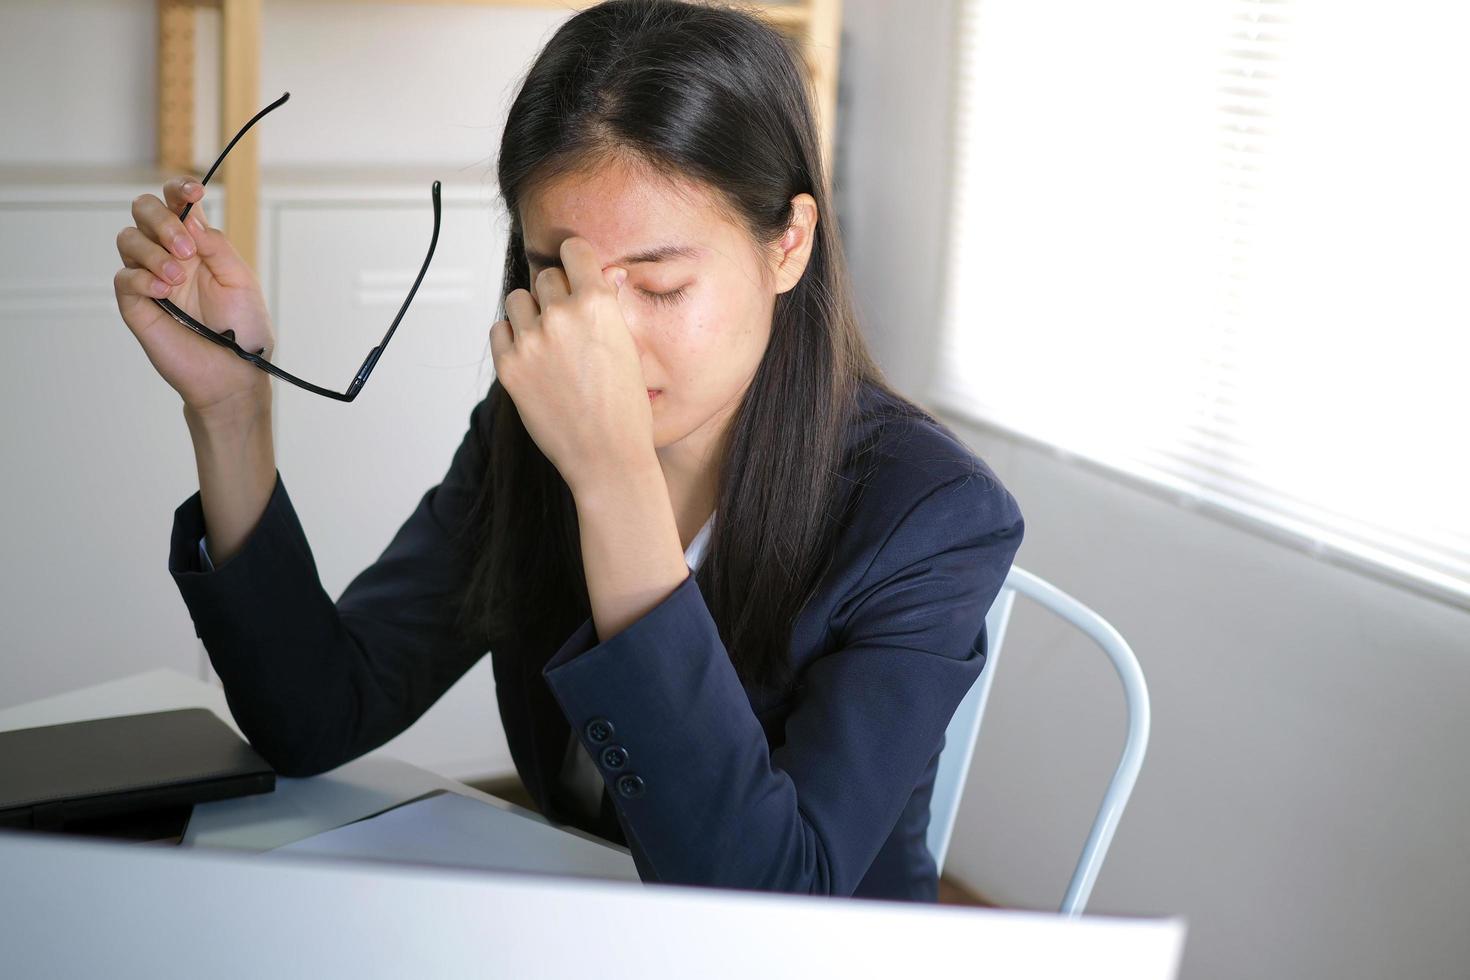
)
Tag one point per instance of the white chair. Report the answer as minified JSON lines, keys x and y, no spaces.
{"x":959,"y":737}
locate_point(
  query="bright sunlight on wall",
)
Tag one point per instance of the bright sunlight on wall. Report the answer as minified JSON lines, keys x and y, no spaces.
{"x":1222,"y":247}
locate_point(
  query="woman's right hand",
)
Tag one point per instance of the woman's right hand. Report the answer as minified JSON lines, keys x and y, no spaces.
{"x":196,"y":268}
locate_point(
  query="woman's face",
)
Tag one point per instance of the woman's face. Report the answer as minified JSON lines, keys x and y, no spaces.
{"x":697,"y":301}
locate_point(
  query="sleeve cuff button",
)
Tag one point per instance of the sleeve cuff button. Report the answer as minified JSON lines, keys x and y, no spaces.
{"x":599,"y":730}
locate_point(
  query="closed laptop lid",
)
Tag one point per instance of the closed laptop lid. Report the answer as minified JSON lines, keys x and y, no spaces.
{"x":55,"y":773}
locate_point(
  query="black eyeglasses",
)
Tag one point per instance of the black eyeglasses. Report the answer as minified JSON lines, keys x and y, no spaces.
{"x":227,"y":338}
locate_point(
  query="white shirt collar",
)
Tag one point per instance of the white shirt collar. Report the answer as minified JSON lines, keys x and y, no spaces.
{"x":695,"y":552}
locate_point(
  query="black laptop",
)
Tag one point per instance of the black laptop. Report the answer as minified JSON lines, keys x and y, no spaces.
{"x":130,"y":777}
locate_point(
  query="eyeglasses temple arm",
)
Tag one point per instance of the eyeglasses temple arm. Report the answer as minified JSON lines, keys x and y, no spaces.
{"x":231,"y":145}
{"x":371,"y":360}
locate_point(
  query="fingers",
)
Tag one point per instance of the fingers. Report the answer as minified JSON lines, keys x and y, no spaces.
{"x":551,"y":284}
{"x":521,"y":308}
{"x":155,"y":220}
{"x":501,"y":342}
{"x":138,"y":251}
{"x":139,"y":282}
{"x":583,"y":270}
{"x":181,"y":191}
{"x":134,"y":288}
{"x":192,"y":237}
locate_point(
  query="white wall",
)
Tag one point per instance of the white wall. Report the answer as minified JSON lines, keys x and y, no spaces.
{"x":370,"y":83}
{"x":1305,"y":795}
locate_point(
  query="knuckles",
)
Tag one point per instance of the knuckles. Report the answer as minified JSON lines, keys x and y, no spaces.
{"x":577,"y":308}
{"x":505,"y":370}
{"x":558,"y":307}
{"x":517,"y":297}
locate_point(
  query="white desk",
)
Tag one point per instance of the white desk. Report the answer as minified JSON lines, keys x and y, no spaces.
{"x":298,"y":808}
{"x":86,"y":907}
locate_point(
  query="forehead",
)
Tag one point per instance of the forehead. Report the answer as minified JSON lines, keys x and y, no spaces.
{"x":629,"y":216}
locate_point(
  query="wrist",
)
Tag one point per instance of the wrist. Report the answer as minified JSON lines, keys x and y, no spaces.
{"x":235,"y":416}
{"x":612,"y":484}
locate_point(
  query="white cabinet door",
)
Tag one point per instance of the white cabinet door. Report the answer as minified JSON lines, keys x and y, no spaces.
{"x":95,"y":456}
{"x":357,"y":470}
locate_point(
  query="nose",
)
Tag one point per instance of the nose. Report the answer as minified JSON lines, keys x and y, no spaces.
{"x":632,"y":317}
{"x":638,"y":332}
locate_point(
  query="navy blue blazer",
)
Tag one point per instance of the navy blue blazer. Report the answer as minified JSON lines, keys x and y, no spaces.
{"x":821,"y":790}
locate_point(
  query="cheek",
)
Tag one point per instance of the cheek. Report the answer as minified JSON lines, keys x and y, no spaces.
{"x":718,"y":325}
{"x":687,"y":334}
{"x":708,"y":343}
{"x":712,"y":355}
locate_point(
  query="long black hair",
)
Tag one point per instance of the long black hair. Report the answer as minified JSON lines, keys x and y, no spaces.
{"x":717,"y":95}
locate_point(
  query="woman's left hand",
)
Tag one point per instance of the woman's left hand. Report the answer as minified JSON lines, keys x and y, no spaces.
{"x":568,"y":361}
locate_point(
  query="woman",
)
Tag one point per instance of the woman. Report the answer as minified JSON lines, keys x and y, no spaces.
{"x":679,"y":369}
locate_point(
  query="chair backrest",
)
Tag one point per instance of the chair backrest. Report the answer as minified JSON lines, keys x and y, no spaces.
{"x":964,"y":727}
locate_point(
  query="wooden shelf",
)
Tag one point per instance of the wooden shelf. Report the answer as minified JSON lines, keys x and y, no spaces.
{"x":815,"y":24}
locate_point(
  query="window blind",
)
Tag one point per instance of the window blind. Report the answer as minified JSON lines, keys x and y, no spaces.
{"x":1223,"y":247}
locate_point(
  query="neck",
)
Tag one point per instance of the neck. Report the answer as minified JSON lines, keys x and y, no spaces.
{"x":691,"y":471}
{"x":692,"y":495}
{"x":692,"y":478}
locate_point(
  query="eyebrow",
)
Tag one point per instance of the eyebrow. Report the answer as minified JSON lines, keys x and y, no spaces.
{"x":658,"y":253}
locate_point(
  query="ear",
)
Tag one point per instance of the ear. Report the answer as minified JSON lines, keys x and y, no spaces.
{"x":795,"y":248}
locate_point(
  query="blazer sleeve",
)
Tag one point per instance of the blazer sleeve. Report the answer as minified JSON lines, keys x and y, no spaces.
{"x":711,"y":804}
{"x":312,"y":683}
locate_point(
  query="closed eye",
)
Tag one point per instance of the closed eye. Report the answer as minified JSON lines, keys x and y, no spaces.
{"x":672,"y":296}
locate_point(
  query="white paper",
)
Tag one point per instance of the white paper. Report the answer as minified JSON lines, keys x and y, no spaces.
{"x":449,"y":829}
